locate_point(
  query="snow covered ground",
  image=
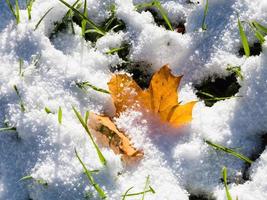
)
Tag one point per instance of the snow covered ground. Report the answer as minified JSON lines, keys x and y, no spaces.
{"x":179,"y":165}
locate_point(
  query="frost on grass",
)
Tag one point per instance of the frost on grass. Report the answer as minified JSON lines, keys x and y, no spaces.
{"x":178,"y":166}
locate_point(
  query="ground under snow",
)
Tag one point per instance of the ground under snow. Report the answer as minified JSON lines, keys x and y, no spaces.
{"x":177,"y":165}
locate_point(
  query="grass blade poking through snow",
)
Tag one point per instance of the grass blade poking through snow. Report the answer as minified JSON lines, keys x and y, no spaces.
{"x":204,"y":25}
{"x":29,"y":4}
{"x":16,"y":11}
{"x":84,"y":85}
{"x":228,"y":150}
{"x":147,"y":189}
{"x":8,"y":129}
{"x":90,"y":22}
{"x":39,"y":22}
{"x":84,"y":124}
{"x":224,"y":174}
{"x":22,"y":107}
{"x":101,"y":193}
{"x":59,"y":115}
{"x":157,"y":5}
{"x":244,"y":39}
{"x":84,"y":22}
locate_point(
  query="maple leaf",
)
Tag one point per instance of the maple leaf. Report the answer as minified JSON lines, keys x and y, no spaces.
{"x":160,"y":98}
{"x":107,"y":134}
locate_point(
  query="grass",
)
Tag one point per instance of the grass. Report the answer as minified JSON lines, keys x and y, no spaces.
{"x":147,"y":189}
{"x":22,"y":107}
{"x":235,"y":70}
{"x":114,"y":50}
{"x":99,"y":190}
{"x":229,"y":151}
{"x":21,"y":62}
{"x":8,"y":129}
{"x":244,"y":39}
{"x":84,"y":124}
{"x":94,"y":27}
{"x":224,"y":175}
{"x":15,"y":12}
{"x":213,"y":98}
{"x":47,"y":110}
{"x":85,"y":85}
{"x":84,"y":22}
{"x":259,"y":30}
{"x":156,"y":4}
{"x":38,"y":181}
{"x":60,"y":115}
{"x":204,"y":25}
{"x":39,"y":22}
{"x":29,"y":4}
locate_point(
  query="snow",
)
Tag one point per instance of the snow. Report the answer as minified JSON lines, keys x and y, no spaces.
{"x":178,"y":161}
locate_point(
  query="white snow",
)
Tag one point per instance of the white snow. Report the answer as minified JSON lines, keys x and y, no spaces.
{"x":178,"y":161}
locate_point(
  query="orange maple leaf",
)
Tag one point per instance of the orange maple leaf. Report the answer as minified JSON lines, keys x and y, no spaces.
{"x":161,"y":97}
{"x":107,"y":134}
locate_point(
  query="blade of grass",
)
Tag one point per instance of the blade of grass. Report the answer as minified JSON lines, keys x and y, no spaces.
{"x":83,"y":86}
{"x":244,"y":39}
{"x":22,"y":107}
{"x":259,"y":27}
{"x":17,"y":11}
{"x":204,"y":25}
{"x":113,"y":50}
{"x":156,"y":4}
{"x":24,"y":178}
{"x":60,"y":115}
{"x":39,"y":22}
{"x":84,"y":22}
{"x":163,"y":14}
{"x":8,"y":129}
{"x":29,"y":4}
{"x":257,"y":33}
{"x":47,"y":110}
{"x":125,"y":194}
{"x":100,"y":155}
{"x":100,"y":31}
{"x":20,"y":67}
{"x":140,"y":193}
{"x":229,"y":151}
{"x":99,"y":190}
{"x":224,"y":174}
{"x":14,"y":12}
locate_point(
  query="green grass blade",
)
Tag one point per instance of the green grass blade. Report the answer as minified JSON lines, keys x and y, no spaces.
{"x":99,"y":190}
{"x":17,"y":12}
{"x":8,"y":129}
{"x":20,"y":67}
{"x":204,"y":25}
{"x":39,"y":22}
{"x":163,"y":14}
{"x":244,"y":39}
{"x":100,"y":155}
{"x":229,"y":151}
{"x":224,"y":174}
{"x":22,"y":107}
{"x":84,"y":17}
{"x":83,"y":86}
{"x":47,"y":110}
{"x":29,"y":4}
{"x":114,"y":50}
{"x":146,"y":185}
{"x":125,"y":194}
{"x":11,"y":8}
{"x":24,"y":178}
{"x":156,"y":4}
{"x":84,"y":22}
{"x":259,"y":27}
{"x":60,"y":115}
